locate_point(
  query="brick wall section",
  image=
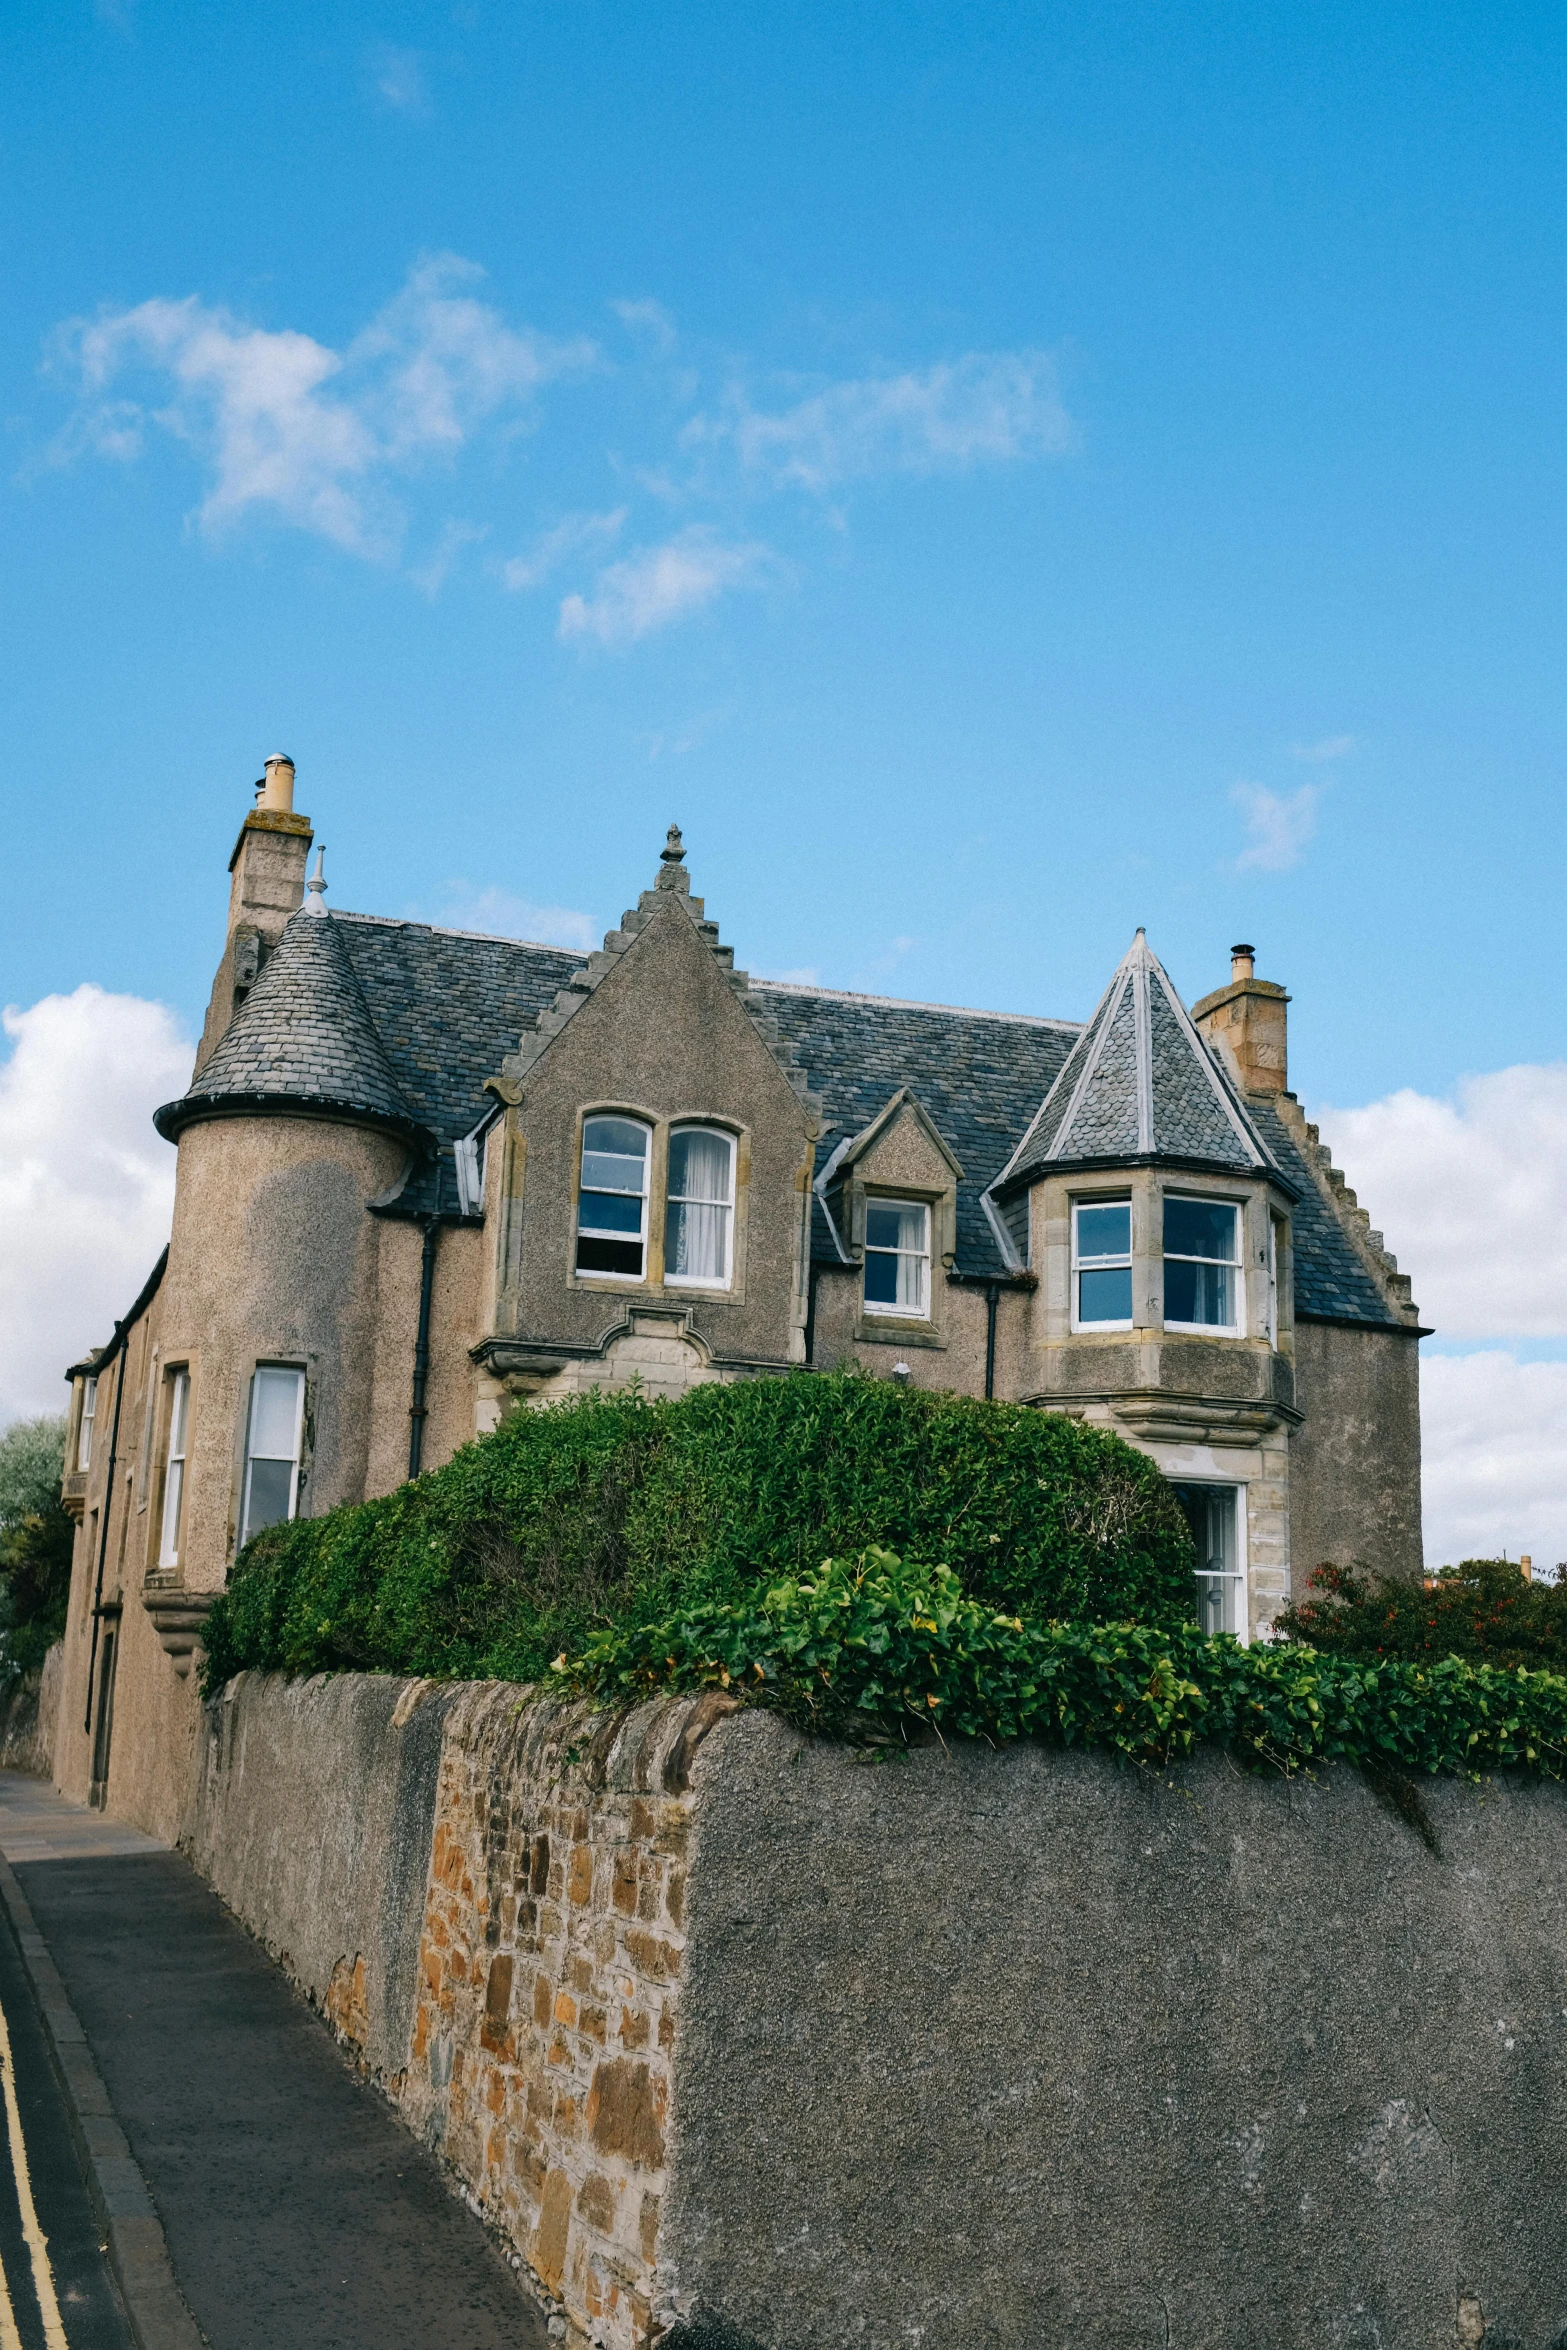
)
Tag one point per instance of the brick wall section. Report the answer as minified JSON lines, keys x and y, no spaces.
{"x":550,"y":1970}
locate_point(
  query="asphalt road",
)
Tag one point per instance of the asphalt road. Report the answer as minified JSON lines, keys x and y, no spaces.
{"x":55,"y":2285}
{"x":297,"y":2210}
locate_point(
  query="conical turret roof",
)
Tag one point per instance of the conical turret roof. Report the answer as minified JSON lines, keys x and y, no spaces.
{"x":303,"y":1038}
{"x":1139,"y":1084}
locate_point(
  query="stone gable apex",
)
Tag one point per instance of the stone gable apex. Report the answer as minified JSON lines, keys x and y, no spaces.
{"x":671,"y":894}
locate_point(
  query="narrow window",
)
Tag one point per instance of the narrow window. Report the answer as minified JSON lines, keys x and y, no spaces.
{"x":897,"y":1257}
{"x":277,"y":1402}
{"x":699,"y":1218}
{"x":612,"y":1201}
{"x":1102,"y":1264}
{"x":174,"y":1473}
{"x":89,"y":1414}
{"x":1211,"y":1512}
{"x":1202,"y":1272}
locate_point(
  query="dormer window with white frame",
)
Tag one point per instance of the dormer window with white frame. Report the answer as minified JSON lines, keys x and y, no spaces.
{"x":699,"y":1211}
{"x":612,"y":1199}
{"x":897,"y":1258}
{"x":1102,"y":1264}
{"x":1203,"y":1285}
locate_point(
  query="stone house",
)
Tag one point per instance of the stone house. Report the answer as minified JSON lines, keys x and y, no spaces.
{"x":426,"y":1175}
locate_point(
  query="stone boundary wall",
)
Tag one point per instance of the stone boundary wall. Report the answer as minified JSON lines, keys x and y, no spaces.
{"x":743,"y":2045}
{"x":28,"y":1716}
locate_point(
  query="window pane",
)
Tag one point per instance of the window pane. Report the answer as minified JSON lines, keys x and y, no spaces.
{"x":1199,"y":1228}
{"x":881,"y":1279}
{"x":610,"y":1256}
{"x":613,"y":1171}
{"x":610,"y":1211}
{"x":173,"y":1494}
{"x":178,"y":1401}
{"x":274,"y":1415}
{"x":270,"y":1490}
{"x":615,"y":1134}
{"x":1105,"y":1296}
{"x":894,"y":1226}
{"x":700,"y":1165}
{"x":696,"y":1241}
{"x":1204,"y":1294}
{"x":1105,"y":1231}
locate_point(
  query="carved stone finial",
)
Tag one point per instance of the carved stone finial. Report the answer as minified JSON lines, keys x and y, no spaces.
{"x":672,"y":872}
{"x":316,"y":884}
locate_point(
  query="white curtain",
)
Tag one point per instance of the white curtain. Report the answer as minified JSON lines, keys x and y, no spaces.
{"x":696,"y":1233}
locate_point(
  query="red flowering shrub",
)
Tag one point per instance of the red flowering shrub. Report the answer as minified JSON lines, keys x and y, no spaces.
{"x":1484,"y":1609}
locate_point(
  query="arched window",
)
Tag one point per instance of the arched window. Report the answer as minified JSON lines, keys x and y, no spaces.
{"x":700,"y":1214}
{"x":612,"y":1198}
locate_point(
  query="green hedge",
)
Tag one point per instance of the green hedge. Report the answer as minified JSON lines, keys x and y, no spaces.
{"x":613,"y":1510}
{"x":866,"y":1649}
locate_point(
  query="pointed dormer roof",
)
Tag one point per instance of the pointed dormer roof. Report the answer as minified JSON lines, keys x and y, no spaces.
{"x":302,"y":1040}
{"x":1139,"y":1085}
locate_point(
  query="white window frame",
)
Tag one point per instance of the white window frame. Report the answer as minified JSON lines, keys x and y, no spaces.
{"x":1238,"y":1577}
{"x":1236,"y":1264}
{"x":589,"y":1273}
{"x":872,"y":1308}
{"x":251,"y":1458}
{"x":1114,"y":1263}
{"x":84,"y":1426}
{"x":174,"y":1467}
{"x":674,"y":1199}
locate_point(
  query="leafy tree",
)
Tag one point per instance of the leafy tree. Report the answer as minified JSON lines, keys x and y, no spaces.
{"x":1483,"y":1609}
{"x":35,"y":1543}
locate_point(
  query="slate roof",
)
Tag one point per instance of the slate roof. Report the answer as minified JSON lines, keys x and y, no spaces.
{"x":404,"y":1022}
{"x":1331,"y":1282}
{"x":1140,"y":1085}
{"x":979,"y":1076}
{"x":304,"y":1034}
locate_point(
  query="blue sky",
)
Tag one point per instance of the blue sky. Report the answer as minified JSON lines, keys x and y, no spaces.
{"x":1294,"y":280}
{"x":996,"y":475}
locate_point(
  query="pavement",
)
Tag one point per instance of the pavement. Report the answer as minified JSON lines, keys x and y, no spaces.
{"x":202,"y":2161}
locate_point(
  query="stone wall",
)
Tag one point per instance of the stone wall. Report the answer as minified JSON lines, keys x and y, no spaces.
{"x":741,"y":2045}
{"x":28,"y":1716}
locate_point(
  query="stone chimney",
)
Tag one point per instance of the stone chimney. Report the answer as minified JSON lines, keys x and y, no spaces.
{"x":268,"y":869}
{"x":1245,"y":1023}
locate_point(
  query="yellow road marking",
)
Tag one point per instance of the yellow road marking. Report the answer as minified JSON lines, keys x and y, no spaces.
{"x":37,"y":2241}
{"x":10,"y":2339}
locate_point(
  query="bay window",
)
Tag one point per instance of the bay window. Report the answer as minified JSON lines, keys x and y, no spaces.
{"x":272,"y":1433}
{"x":1102,"y":1264}
{"x":612,"y":1198}
{"x":1202,"y":1267}
{"x":699,"y":1209}
{"x":897,"y":1257}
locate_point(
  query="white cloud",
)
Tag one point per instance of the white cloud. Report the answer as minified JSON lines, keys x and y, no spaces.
{"x":650,"y":319}
{"x":982,"y":409}
{"x":1472,"y":1194}
{"x":86,"y":1186}
{"x":397,"y":78}
{"x":432,"y":574}
{"x":1277,"y":827}
{"x":656,"y":585}
{"x":502,"y":914}
{"x":1332,"y":746}
{"x":1495,"y":1458}
{"x":286,"y":424}
{"x":552,"y":546}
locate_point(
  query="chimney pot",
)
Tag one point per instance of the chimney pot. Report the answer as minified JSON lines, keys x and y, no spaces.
{"x":1243,"y":962}
{"x":278,"y":790}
